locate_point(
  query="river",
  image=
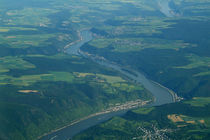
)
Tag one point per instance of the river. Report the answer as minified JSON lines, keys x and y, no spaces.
{"x":161,"y":94}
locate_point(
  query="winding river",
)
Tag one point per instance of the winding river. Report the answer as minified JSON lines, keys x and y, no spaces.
{"x":161,"y":94}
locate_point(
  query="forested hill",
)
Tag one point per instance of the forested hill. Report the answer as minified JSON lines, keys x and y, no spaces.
{"x":43,"y":89}
{"x":171,"y":47}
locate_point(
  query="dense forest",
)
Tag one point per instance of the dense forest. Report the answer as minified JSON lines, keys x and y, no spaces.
{"x":42,"y":88}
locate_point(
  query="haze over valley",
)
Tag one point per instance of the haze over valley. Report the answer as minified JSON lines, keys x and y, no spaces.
{"x":104,"y":69}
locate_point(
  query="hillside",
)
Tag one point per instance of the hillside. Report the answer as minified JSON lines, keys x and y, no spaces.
{"x":41,"y":87}
{"x":185,"y":120}
{"x":171,"y":48}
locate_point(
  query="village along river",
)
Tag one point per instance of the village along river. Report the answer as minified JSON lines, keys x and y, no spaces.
{"x":161,"y":94}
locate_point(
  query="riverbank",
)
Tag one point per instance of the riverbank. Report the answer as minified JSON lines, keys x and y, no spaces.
{"x":131,"y":74}
{"x":72,"y":43}
{"x":77,"y":41}
{"x":126,"y":106}
{"x":174,"y":95}
{"x":162,"y":95}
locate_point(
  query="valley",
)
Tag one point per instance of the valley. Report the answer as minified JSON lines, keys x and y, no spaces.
{"x":89,"y":63}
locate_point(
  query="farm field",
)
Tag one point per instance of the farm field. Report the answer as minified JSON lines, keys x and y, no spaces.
{"x":173,"y":51}
{"x":42,"y":88}
{"x":185,"y":120}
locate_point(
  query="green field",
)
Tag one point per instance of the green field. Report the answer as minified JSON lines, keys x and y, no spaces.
{"x":42,"y":88}
{"x":172,"y":121}
{"x":39,"y":84}
{"x":170,"y":50}
{"x":199,"y":101}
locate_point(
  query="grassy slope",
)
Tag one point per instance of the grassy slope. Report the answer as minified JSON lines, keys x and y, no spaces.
{"x":61,"y":93}
{"x":128,"y":32}
{"x":172,"y":51}
{"x":40,"y":87}
{"x":185,"y":120}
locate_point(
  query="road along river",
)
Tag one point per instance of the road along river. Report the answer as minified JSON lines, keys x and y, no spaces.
{"x":161,"y":94}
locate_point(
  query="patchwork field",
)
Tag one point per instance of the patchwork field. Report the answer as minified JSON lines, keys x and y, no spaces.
{"x":172,"y":121}
{"x":42,"y":88}
{"x":39,"y":84}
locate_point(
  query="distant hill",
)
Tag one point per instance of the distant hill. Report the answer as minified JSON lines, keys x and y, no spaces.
{"x":173,"y":51}
{"x":43,"y":89}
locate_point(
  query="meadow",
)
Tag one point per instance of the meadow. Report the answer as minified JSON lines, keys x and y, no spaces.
{"x":173,"y":51}
{"x":42,"y":88}
{"x":185,"y":120}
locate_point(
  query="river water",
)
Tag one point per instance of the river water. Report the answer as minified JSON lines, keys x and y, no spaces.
{"x":161,"y":94}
